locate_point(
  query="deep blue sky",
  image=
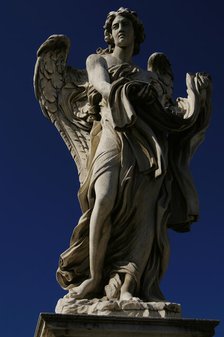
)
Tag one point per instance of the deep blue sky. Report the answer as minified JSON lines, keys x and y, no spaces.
{"x":38,"y":177}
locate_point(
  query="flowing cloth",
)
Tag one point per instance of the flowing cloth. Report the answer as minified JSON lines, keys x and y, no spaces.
{"x":152,"y":148}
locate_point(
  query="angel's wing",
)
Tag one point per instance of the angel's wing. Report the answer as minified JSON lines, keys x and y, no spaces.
{"x":159,"y":64}
{"x":62,"y":94}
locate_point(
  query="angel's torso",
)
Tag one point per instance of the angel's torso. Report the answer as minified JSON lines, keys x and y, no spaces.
{"x":138,"y":74}
{"x":104,"y":69}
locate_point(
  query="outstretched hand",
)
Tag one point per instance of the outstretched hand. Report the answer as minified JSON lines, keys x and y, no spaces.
{"x":198,"y":82}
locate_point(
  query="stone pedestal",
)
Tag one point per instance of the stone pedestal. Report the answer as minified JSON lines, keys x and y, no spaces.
{"x":60,"y":325}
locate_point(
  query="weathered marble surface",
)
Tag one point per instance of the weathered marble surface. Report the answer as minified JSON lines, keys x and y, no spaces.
{"x":132,"y":144}
{"x":52,"y":325}
{"x":132,"y":308}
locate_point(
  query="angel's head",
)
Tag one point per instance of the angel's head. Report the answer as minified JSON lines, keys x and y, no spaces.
{"x":131,"y":16}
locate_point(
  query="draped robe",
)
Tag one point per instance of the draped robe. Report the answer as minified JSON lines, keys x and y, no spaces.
{"x":152,"y":148}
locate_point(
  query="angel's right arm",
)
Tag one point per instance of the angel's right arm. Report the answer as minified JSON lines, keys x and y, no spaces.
{"x":98,"y":75}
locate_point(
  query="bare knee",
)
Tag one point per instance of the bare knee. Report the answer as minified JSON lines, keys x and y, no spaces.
{"x":105,"y":195}
{"x":104,"y":204}
{"x":101,"y":216}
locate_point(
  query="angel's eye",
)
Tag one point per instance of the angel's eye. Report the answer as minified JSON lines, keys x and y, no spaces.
{"x":115,"y":26}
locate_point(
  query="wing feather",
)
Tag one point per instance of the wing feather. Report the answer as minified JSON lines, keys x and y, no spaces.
{"x":62,"y":94}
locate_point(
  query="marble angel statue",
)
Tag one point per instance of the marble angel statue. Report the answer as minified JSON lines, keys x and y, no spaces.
{"x":132,"y":144}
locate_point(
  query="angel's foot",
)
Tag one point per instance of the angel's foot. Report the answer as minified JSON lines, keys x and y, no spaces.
{"x":85,"y":289}
{"x":126,"y":296}
{"x":128,"y":288}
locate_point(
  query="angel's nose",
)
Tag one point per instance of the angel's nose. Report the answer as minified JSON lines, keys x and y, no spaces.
{"x":121,"y":27}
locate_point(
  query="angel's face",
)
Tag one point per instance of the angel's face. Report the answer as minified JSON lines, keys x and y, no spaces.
{"x":122,"y":31}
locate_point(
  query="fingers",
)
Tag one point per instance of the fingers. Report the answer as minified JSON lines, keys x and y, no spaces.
{"x":202,"y":80}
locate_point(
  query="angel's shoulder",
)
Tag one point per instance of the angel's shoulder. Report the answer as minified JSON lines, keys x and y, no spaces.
{"x":94,"y":59}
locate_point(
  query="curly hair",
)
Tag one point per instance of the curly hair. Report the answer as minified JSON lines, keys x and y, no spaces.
{"x":137,"y":25}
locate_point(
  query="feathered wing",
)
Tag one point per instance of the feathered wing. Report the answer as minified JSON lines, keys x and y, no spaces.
{"x":159,"y":64}
{"x":62,"y":94}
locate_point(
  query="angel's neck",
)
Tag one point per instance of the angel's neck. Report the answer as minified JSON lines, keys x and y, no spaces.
{"x":123,"y":55}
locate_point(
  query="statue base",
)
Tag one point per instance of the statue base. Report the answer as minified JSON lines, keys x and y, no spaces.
{"x":54,"y":325}
{"x":123,"y":308}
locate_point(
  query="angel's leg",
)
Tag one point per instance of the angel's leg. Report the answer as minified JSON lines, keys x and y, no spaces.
{"x":100,"y":228}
